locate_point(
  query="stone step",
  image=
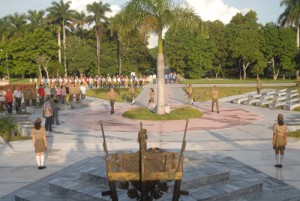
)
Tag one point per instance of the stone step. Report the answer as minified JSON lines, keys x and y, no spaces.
{"x":244,"y":184}
{"x":194,"y":173}
{"x":202,"y":177}
{"x":27,"y":195}
{"x":77,"y":189}
{"x":229,"y":190}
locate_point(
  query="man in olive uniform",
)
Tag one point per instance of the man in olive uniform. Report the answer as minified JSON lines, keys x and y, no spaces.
{"x":214,"y":98}
{"x":112,"y":97}
{"x":26,"y":96}
{"x":132,"y":92}
{"x":33,"y":96}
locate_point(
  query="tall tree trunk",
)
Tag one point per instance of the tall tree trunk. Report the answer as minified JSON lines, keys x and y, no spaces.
{"x":64,"y":44}
{"x":245,"y":71}
{"x":298,"y":44}
{"x":59,"y":44}
{"x":98,"y":49}
{"x":119,"y":56}
{"x":160,"y":76}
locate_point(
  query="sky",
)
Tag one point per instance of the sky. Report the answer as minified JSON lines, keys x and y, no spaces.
{"x":267,"y":10}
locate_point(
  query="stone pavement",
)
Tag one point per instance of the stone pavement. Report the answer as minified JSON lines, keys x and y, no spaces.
{"x":241,"y":132}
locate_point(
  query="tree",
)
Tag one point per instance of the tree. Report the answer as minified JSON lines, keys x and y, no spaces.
{"x":177,"y":46}
{"x":36,"y":19}
{"x":16,"y":24}
{"x":80,"y":55}
{"x":98,"y":11}
{"x":152,"y":16}
{"x":79,"y":22}
{"x":216,"y":31}
{"x":60,"y":13}
{"x":32,"y":53}
{"x":245,"y":41}
{"x":291,"y":17}
{"x":200,"y":56}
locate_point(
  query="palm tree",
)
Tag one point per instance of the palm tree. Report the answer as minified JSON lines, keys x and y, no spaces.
{"x":291,"y":17}
{"x":4,"y":31}
{"x":16,"y":23}
{"x":60,"y":13}
{"x":152,"y":16}
{"x":36,"y":18}
{"x":118,"y":26}
{"x":79,"y":21}
{"x":98,"y":11}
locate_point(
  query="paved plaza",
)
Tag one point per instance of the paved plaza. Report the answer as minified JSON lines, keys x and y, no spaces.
{"x":238,"y":131}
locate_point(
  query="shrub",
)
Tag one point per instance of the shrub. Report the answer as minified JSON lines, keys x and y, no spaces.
{"x":7,"y":127}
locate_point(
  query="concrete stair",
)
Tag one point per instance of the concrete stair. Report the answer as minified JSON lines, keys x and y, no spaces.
{"x":212,"y":178}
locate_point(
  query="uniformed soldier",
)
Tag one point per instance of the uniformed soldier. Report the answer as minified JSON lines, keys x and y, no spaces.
{"x":214,"y":98}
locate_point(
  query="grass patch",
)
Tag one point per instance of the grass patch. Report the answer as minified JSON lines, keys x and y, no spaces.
{"x":140,"y":113}
{"x":297,"y":109}
{"x":294,"y":134}
{"x":202,"y":94}
{"x":19,"y":138}
{"x":233,"y":81}
{"x":123,"y":94}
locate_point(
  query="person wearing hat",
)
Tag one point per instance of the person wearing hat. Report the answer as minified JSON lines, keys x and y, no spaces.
{"x":39,"y":141}
{"x":132,"y":92}
{"x":214,"y":98}
{"x":151,"y":100}
{"x":112,"y":98}
{"x":190,"y":94}
{"x":48,"y":114}
{"x":279,"y":140}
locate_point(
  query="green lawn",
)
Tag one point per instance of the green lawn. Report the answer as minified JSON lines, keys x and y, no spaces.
{"x":202,"y":94}
{"x":186,"y":112}
{"x":294,"y":134}
{"x":233,"y":81}
{"x":123,"y":94}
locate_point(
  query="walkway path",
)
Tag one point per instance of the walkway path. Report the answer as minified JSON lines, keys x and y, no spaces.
{"x":241,"y":132}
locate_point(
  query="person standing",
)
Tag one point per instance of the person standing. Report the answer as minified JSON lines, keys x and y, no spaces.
{"x":48,"y":114}
{"x":18,"y":98}
{"x":214,"y":98}
{"x":132,"y":92}
{"x":33,"y":96}
{"x":279,"y":140}
{"x":9,"y":100}
{"x":39,"y":141}
{"x":112,"y":98}
{"x":2,"y":99}
{"x":55,"y":107}
{"x":154,"y":78}
{"x":151,"y":100}
{"x":190,"y":94}
{"x":41,"y":93}
{"x":82,"y":90}
{"x":258,"y":85}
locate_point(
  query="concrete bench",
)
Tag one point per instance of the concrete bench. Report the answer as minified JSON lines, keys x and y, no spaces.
{"x":277,"y":104}
{"x":253,"y":101}
{"x":264,"y":103}
{"x":266,"y":97}
{"x":293,"y":100}
{"x":239,"y":100}
{"x":269,"y":92}
{"x":254,"y":96}
{"x":291,"y":95}
{"x":291,"y":106}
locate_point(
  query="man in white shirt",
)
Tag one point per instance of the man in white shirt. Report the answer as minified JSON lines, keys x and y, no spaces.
{"x":83,"y":90}
{"x":18,"y":98}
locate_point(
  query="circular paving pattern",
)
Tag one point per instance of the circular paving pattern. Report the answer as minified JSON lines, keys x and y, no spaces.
{"x":228,"y":117}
